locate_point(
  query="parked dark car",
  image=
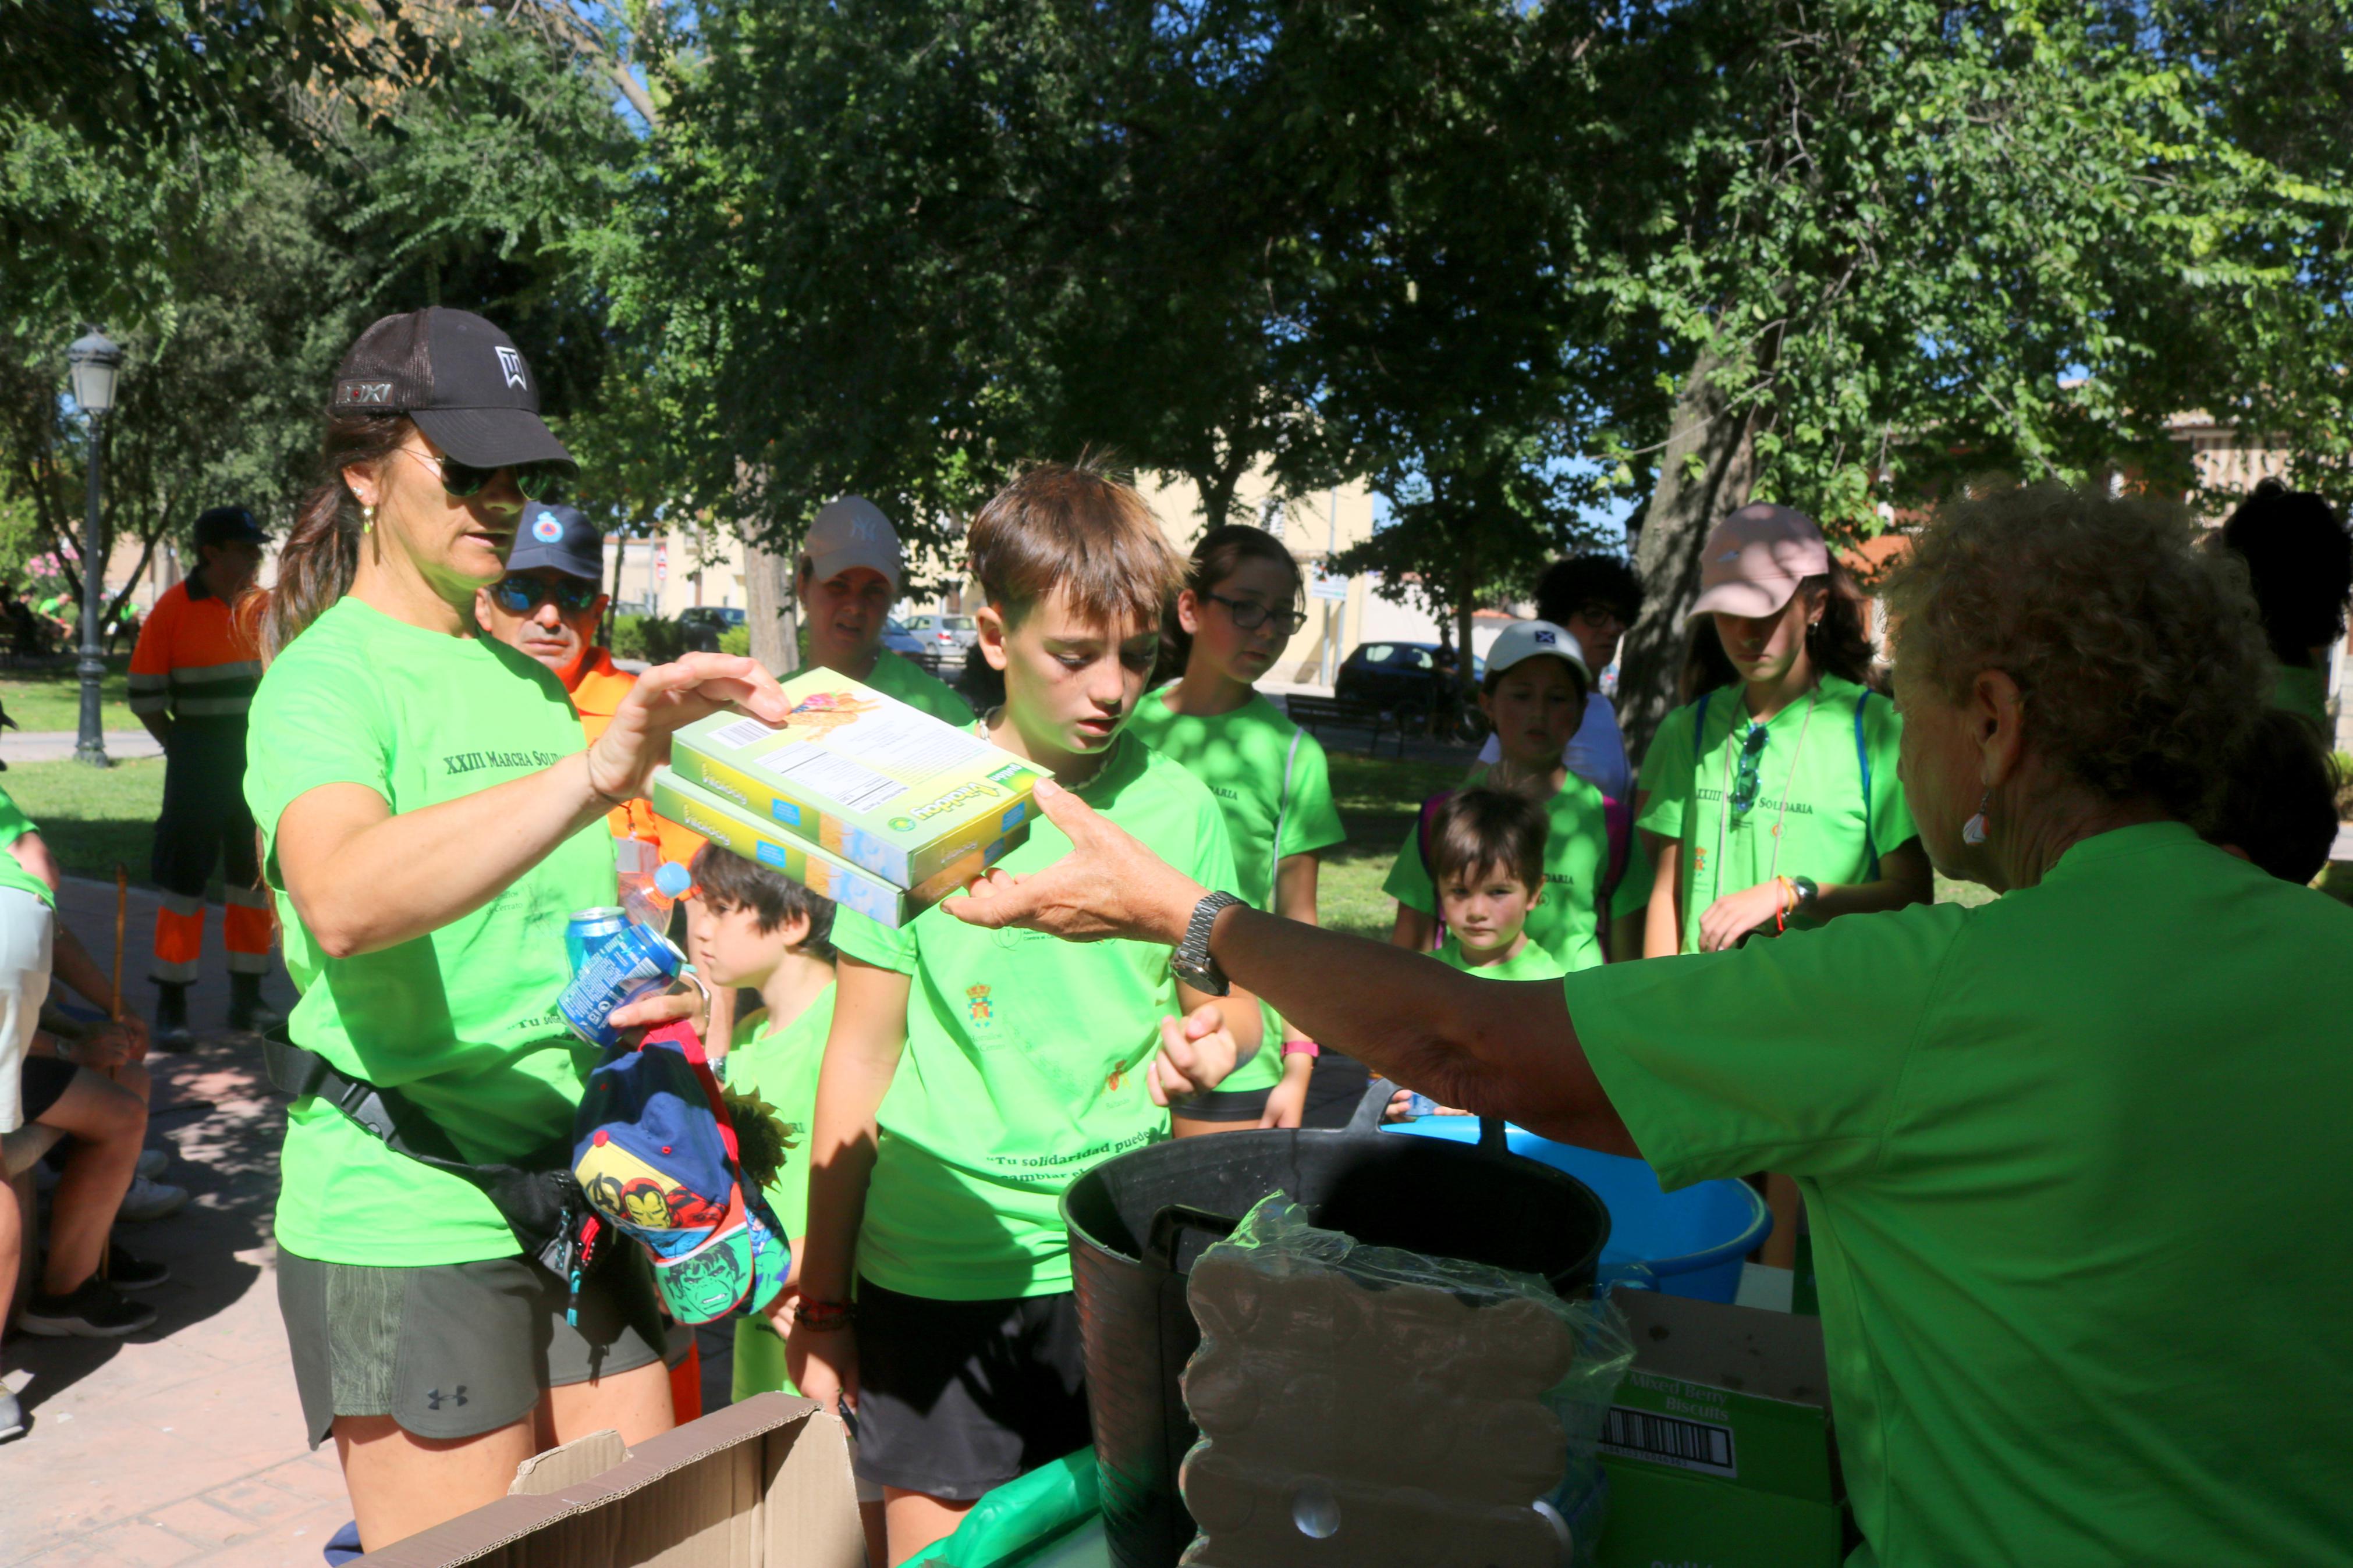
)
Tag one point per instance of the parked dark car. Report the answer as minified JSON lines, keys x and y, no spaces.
{"x":1397,"y":677}
{"x":700,"y":625}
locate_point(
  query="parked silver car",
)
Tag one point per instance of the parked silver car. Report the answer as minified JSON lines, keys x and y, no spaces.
{"x":944,"y":640}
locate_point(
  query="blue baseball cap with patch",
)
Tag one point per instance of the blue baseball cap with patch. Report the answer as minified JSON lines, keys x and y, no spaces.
{"x":558,"y":536}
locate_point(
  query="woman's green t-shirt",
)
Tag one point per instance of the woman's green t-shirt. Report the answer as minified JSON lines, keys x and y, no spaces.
{"x":1566,"y":923}
{"x":1269,"y":776}
{"x":15,"y":825}
{"x":1025,"y":1056}
{"x":461,"y":1020}
{"x":1809,"y":760}
{"x":781,"y":1067}
{"x":895,"y":675}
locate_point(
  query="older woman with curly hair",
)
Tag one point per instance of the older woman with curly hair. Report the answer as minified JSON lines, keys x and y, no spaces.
{"x":2075,"y":1159}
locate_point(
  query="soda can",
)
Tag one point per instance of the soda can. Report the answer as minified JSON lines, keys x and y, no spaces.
{"x":588,"y":931}
{"x":629,"y":965}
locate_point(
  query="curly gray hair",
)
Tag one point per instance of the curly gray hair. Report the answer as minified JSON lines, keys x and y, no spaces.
{"x":2141,"y":656}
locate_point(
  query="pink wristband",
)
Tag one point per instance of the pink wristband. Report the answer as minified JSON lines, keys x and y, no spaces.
{"x":1302,"y":1048}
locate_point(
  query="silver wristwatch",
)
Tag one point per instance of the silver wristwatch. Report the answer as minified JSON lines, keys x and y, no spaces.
{"x":1191,"y":961}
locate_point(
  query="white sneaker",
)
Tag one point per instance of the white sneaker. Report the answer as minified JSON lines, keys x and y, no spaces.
{"x":152,"y":1162}
{"x":151,"y":1200}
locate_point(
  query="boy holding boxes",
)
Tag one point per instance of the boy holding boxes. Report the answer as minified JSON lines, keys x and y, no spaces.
{"x":972,"y":1075}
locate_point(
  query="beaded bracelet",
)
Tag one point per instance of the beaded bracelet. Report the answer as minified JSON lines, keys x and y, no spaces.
{"x":825,"y":1316}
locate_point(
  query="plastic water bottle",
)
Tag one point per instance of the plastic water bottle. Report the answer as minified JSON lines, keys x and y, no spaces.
{"x":649,"y":885}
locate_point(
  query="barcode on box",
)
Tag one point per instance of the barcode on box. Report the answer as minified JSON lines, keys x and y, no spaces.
{"x":1669,"y":1440}
{"x":740,"y":734}
{"x":836,"y":779}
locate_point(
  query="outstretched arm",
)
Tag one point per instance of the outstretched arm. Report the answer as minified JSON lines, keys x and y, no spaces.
{"x":1496,"y":1048}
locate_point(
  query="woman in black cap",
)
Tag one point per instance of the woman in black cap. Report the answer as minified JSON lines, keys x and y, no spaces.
{"x":429,"y":821}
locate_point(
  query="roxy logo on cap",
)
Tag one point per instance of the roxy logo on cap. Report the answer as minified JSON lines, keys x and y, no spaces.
{"x":511,"y":362}
{"x":546,"y":528}
{"x":375,"y":392}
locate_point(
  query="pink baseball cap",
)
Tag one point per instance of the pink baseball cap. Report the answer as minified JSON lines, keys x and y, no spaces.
{"x":1755,"y":560}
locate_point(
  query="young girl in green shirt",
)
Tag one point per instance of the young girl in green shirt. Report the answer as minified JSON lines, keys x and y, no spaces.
{"x":1239,"y":607}
{"x":1535,"y":695}
{"x":1772,"y":801}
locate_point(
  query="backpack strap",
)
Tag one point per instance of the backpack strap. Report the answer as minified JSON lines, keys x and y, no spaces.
{"x":1863,"y":761}
{"x":1688,"y":872}
{"x":1281,"y":809}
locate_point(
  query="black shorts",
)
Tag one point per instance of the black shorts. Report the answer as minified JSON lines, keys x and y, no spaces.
{"x":45,"y":1081}
{"x":454,"y":1350}
{"x":957,"y":1397}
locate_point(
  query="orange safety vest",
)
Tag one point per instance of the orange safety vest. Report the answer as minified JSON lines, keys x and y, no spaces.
{"x":197,"y":656}
{"x":596,"y":694}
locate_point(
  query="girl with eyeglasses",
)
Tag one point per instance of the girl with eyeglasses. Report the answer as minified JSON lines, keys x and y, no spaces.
{"x":431,"y":814}
{"x":1238,"y":609}
{"x":1771,"y":802}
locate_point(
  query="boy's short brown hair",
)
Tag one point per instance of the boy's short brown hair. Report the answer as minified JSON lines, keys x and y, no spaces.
{"x":1071,"y":527}
{"x":725,"y":880}
{"x":1475,"y":828}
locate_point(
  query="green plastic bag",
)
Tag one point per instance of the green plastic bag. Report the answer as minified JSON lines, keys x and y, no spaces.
{"x":1021,"y":1517}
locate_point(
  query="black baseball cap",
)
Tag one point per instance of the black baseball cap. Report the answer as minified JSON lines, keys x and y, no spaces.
{"x":557,"y":536}
{"x":228,"y":525}
{"x":461,"y":380}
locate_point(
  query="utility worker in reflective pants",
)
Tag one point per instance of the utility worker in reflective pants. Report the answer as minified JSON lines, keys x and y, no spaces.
{"x":193,"y":675}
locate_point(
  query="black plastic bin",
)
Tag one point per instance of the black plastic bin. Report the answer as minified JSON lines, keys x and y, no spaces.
{"x":1138,"y":1222}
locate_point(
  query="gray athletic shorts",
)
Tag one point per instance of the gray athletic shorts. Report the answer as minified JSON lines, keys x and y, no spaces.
{"x":454,"y":1350}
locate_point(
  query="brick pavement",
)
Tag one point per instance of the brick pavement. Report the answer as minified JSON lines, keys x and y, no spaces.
{"x":182,"y":1445}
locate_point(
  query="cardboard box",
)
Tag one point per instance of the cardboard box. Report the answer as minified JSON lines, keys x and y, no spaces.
{"x":1719,"y":1447}
{"x":864,"y":776}
{"x":763,"y":1484}
{"x":819,"y":870}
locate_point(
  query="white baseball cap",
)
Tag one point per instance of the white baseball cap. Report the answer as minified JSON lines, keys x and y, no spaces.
{"x":1524,"y":640}
{"x":852,"y":532}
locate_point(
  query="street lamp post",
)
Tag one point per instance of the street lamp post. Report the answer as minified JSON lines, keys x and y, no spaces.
{"x":95,"y":363}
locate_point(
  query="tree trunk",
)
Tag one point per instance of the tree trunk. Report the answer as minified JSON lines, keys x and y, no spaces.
{"x":771,"y":610}
{"x":1705,"y":474}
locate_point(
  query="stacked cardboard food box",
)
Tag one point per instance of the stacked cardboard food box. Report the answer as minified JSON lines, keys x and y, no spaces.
{"x":878,"y":805}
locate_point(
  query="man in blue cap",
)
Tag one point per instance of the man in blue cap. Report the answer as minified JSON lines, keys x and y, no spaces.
{"x":548,"y":606}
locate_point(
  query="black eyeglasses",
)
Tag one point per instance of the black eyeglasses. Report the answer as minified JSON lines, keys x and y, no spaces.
{"x":1249,"y":614}
{"x":1598,"y":614}
{"x":521,"y":595}
{"x":537,"y":482}
{"x":1744,"y":782}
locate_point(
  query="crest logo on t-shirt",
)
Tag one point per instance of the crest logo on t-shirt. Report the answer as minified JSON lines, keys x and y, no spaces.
{"x":978,"y":1008}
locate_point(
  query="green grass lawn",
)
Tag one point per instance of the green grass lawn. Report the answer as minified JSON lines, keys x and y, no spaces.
{"x":92,"y":817}
{"x":51,"y":698}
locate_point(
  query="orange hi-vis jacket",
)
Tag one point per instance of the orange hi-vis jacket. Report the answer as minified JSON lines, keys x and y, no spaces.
{"x":596,"y":694}
{"x":197,"y":657}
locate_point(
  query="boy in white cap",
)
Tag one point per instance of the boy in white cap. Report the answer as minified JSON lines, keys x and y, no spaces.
{"x":849,"y":574}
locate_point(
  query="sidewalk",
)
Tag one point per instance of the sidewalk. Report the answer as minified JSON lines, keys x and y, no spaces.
{"x":182,"y":1445}
{"x":58,"y":745}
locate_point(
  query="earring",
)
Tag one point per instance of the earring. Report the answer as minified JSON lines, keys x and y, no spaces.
{"x":367,"y":520}
{"x":1973,"y":831}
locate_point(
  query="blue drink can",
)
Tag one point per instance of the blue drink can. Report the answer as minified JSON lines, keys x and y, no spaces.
{"x":588,"y":931}
{"x":630,"y":965}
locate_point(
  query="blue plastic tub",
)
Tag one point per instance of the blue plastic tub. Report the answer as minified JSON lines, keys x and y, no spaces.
{"x":1694,"y":1240}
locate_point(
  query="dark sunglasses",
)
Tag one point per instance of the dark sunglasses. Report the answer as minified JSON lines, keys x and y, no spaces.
{"x":521,"y":595}
{"x":537,"y":482}
{"x":1249,"y":614}
{"x":1744,"y":781}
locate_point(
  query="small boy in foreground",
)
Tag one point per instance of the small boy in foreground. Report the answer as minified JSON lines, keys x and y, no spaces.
{"x":972,"y":1075}
{"x":1486,"y":852}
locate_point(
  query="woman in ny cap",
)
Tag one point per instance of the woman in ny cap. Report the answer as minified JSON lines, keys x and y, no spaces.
{"x":2074,"y":1156}
{"x":430,"y":819}
{"x":849,"y":574}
